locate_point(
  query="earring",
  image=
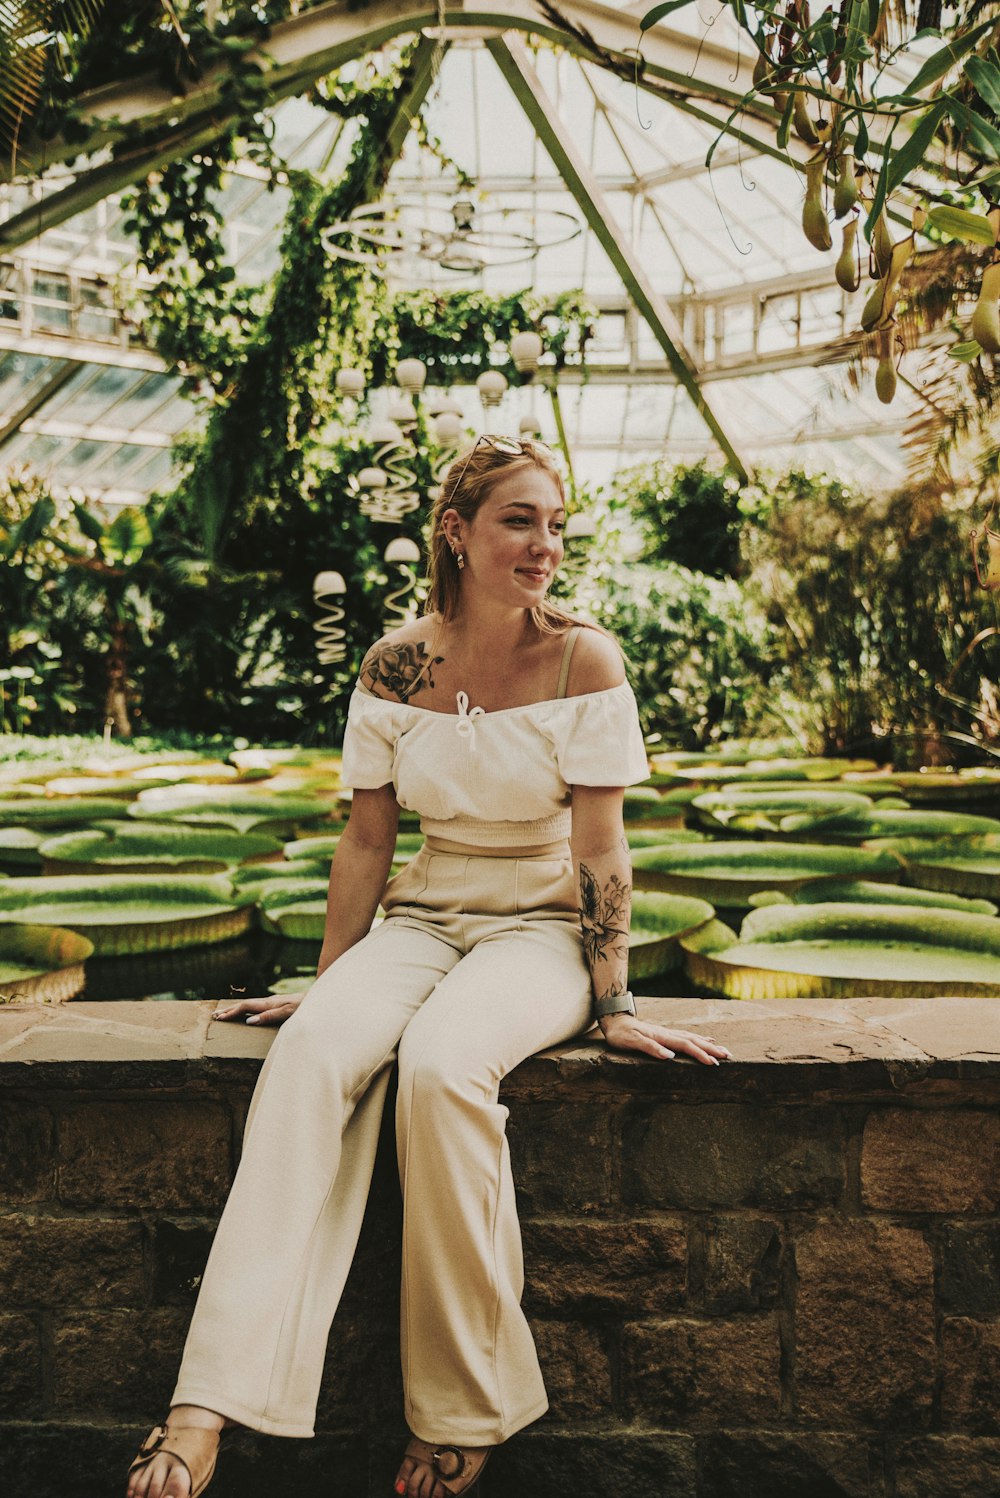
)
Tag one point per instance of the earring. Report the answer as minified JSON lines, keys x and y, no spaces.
{"x":459,"y":559}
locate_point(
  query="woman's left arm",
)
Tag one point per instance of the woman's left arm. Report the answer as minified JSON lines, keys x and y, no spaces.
{"x":603,"y":873}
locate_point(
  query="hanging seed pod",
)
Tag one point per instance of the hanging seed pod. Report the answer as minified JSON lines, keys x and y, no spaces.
{"x":882,"y":246}
{"x":802,"y":122}
{"x":986,"y":317}
{"x":885,"y":374}
{"x":815,"y":225}
{"x":848,"y":268}
{"x":845,"y":190}
{"x":874,"y":308}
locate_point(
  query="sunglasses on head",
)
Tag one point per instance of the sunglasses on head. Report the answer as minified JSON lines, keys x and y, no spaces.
{"x":510,"y":446}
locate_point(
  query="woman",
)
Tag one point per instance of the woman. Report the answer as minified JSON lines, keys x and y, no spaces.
{"x":506,"y":933}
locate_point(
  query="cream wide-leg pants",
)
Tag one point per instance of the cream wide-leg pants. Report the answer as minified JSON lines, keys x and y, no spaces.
{"x":477,"y":965}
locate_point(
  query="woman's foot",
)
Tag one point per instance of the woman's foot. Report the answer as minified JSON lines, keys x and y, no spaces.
{"x":439,"y":1471}
{"x":165,"y":1475}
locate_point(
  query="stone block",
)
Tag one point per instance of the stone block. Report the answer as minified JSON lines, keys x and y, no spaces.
{"x":590,"y":1266}
{"x":923,"y":1160}
{"x":67,"y":1261}
{"x":682,"y":1369}
{"x":766,"y":1464}
{"x":561,"y":1155}
{"x":262,"y":1467}
{"x":118,"y":1363}
{"x":617,"y":1464}
{"x":27,"y":1157}
{"x":143,"y":1153}
{"x":49,"y":1460}
{"x":739,"y":1268}
{"x":864,"y":1325}
{"x":732,"y":1154}
{"x":362,"y":1386}
{"x":180,"y":1252}
{"x":948,"y":1467}
{"x":970,"y":1365}
{"x":576,"y":1369}
{"x":969,"y":1277}
{"x":20,"y":1366}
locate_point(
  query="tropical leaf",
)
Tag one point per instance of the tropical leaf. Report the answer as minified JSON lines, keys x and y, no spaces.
{"x":129,"y":846}
{"x":41,"y":964}
{"x":726,"y":874}
{"x":122,"y":913}
{"x":866,"y":892}
{"x":779,"y":811}
{"x":963,"y":865}
{"x":658,"y":923}
{"x":59,"y":811}
{"x":843,"y":951}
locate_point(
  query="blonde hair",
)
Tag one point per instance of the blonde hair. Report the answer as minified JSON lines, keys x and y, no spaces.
{"x":480,"y":468}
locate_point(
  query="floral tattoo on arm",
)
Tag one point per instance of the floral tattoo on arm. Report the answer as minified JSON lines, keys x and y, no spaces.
{"x":403,"y":669}
{"x":604,"y":917}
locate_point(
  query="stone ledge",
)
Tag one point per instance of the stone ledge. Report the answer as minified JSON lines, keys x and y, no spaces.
{"x":799,"y":1045}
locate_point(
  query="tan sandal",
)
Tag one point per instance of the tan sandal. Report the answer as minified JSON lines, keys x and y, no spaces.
{"x":195,"y":1446}
{"x":451,"y":1465}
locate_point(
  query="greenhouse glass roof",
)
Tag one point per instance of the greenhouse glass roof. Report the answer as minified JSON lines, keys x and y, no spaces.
{"x":752,"y":306}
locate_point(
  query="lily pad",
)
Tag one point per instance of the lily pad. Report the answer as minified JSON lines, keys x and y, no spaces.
{"x":658,"y":923}
{"x":136,"y":847}
{"x":964,"y":865}
{"x":59,"y":811}
{"x":867,"y":892}
{"x":41,"y":964}
{"x":280,"y":815}
{"x":779,"y":810}
{"x":727,"y":873}
{"x":19,"y":848}
{"x":894,"y":822}
{"x":843,"y":951}
{"x":125,"y":913}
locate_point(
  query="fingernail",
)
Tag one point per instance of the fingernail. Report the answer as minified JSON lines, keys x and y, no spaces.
{"x":401,"y":1486}
{"x":253,"y":1019}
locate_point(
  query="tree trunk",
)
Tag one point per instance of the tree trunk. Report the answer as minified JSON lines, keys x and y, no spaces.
{"x":116,"y":697}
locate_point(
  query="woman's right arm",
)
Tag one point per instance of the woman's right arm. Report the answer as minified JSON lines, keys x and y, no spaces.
{"x":360,"y":870}
{"x":357,"y":879}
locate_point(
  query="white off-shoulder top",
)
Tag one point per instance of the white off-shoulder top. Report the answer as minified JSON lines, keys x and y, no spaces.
{"x":499,"y":779}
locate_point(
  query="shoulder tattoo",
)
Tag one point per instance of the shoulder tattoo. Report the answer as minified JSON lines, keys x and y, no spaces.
{"x":403,"y":669}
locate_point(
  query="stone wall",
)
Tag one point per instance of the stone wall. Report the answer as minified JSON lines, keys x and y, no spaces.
{"x":779,"y":1278}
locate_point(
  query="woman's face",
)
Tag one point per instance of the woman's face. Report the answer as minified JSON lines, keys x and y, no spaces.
{"x":514,"y":544}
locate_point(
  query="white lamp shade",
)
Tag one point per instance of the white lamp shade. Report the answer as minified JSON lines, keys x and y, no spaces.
{"x":577,"y":525}
{"x":491,"y":385}
{"x":328,"y":582}
{"x":449,"y":403}
{"x":350,"y":381}
{"x":410,"y":375}
{"x":526,"y":350}
{"x":401,"y":409}
{"x":448,"y":428}
{"x":373,"y":478}
{"x":384,"y":432}
{"x":402,"y":549}
{"x":528,"y":426}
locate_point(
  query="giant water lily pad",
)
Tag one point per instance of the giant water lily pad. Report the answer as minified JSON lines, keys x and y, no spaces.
{"x":41,"y":964}
{"x":59,"y":811}
{"x":119,"y":787}
{"x":842,"y":951}
{"x":888,"y":820}
{"x":136,"y":847}
{"x":658,"y":923}
{"x":941,"y":786}
{"x":964,"y":865}
{"x":281,"y":895}
{"x":763,"y":770}
{"x":19,"y":848}
{"x":867,"y":892}
{"x":244,"y":811}
{"x":728,"y":873}
{"x":125,"y":913}
{"x":798,"y":811}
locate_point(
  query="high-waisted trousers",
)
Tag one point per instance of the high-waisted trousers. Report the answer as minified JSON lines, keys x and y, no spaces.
{"x":477,"y":964}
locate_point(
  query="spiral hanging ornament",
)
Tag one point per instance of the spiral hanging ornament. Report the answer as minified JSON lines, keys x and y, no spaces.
{"x":404,"y":554}
{"x":328,"y":589}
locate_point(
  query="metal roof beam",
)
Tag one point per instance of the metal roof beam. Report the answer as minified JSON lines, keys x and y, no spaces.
{"x":512,"y":59}
{"x":12,"y":423}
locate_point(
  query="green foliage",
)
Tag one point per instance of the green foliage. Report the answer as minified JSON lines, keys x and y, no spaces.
{"x":690,"y":515}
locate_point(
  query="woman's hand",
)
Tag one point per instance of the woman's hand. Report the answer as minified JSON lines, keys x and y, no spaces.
{"x":624,"y":1033}
{"x":273,"y":1010}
